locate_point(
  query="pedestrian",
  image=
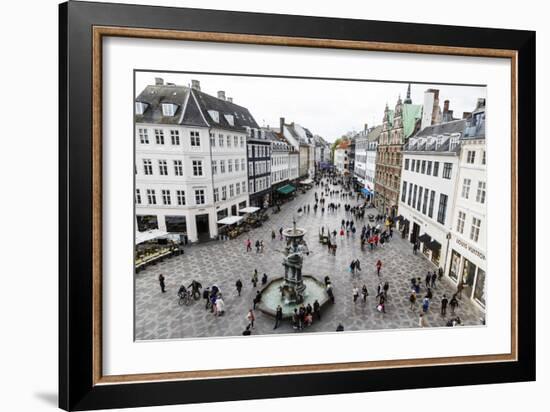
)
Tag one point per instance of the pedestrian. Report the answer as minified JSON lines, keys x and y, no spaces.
{"x":421,"y":321}
{"x":434,"y":278}
{"x":257,"y":246}
{"x":330,"y":293}
{"x":273,"y":235}
{"x":378,"y":267}
{"x":428,"y":280}
{"x":444,"y":302}
{"x":206,"y":297}
{"x":251,"y":318}
{"x":415,"y":248}
{"x":386,"y":287}
{"x":220,"y":305}
{"x":264,"y":279}
{"x":317,"y":309}
{"x":280,"y":233}
{"x":162,"y":284}
{"x":358,"y":265}
{"x":257,"y":299}
{"x":365,"y":292}
{"x":355,"y":294}
{"x":295,"y":320}
{"x":412,"y":299}
{"x":454,"y":304}
{"x":459,"y":289}
{"x":248,"y":245}
{"x":425,"y":304}
{"x":278,"y":316}
{"x":352,"y":267}
{"x":261,"y":246}
{"x":255,"y":278}
{"x":340,"y":327}
{"x":239,"y":286}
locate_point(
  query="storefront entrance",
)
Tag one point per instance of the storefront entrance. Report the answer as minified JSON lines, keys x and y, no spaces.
{"x":468,"y":276}
{"x":415,"y":231}
{"x":203,"y":227}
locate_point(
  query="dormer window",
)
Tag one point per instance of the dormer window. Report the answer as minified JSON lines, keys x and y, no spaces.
{"x":168,"y":109}
{"x":230,"y":119}
{"x":215,"y":115}
{"x":141,"y":107}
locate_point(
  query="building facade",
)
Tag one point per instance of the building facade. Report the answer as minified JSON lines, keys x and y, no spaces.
{"x":428,"y":188}
{"x":302,"y":141}
{"x":259,"y":168}
{"x":191,"y":167}
{"x":370,"y":165}
{"x":341,"y":161}
{"x":466,"y":258}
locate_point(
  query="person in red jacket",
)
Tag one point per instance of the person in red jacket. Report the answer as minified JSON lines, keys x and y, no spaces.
{"x":378,"y":267}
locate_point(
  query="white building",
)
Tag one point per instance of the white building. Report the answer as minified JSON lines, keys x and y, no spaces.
{"x":280,"y":161}
{"x":360,"y":164}
{"x":428,"y":188}
{"x":467,"y":262}
{"x":191,"y":166}
{"x":370,"y":165}
{"x":341,"y":160}
{"x":302,"y":141}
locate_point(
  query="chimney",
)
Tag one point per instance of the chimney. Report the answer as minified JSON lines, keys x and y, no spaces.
{"x":465,"y":115}
{"x":221,"y":95}
{"x":195,"y":84}
{"x":230,"y":99}
{"x":159,"y":81}
{"x":445,"y":106}
{"x":282,"y":124}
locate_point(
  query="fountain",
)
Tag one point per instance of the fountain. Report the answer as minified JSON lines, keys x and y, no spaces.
{"x":294,"y":289}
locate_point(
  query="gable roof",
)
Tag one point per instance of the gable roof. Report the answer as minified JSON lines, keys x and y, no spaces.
{"x":456,"y":126}
{"x":374,"y":134}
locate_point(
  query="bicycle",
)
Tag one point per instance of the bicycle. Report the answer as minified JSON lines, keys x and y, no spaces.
{"x":184,"y":299}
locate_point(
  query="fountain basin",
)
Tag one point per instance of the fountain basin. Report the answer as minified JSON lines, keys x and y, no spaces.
{"x":271,"y":296}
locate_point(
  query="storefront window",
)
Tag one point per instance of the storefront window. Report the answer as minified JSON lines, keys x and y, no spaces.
{"x":435,"y":257}
{"x":479,"y":293}
{"x":147,"y":222}
{"x":455,"y":263}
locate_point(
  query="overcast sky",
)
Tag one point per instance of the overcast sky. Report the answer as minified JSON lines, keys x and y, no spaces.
{"x":329,"y":108}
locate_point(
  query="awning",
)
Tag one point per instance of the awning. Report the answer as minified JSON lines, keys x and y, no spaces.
{"x":306,"y":182}
{"x":286,"y":189}
{"x":434,"y":245}
{"x":249,"y":209}
{"x":424,"y":238}
{"x":142,"y":237}
{"x":366,"y":191}
{"x":229,"y":220}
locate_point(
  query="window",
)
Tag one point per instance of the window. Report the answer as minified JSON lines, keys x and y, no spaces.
{"x":442,"y":208}
{"x":242,"y":141}
{"x":230,"y":166}
{"x":436,"y":168}
{"x":138,"y":197}
{"x":429,"y":168}
{"x":216,"y":195}
{"x":222,"y":166}
{"x":197,"y":167}
{"x":236,"y":165}
{"x":425,"y":202}
{"x":404,"y":192}
{"x":466,"y":188}
{"x":410,"y":194}
{"x":419,"y":198}
{"x":235,"y":141}
{"x":476,"y":225}
{"x":175,"y":137}
{"x":431,"y":207}
{"x":159,"y":136}
{"x":251,"y":186}
{"x":483,"y":158}
{"x":480,"y":197}
{"x":237,"y":189}
{"x":243,"y":167}
{"x":199,"y":197}
{"x":231,"y":190}
{"x":143,"y":136}
{"x":471,"y":156}
{"x":460,"y":222}
{"x":406,"y":164}
{"x":214,"y":167}
{"x":417,"y":166}
{"x":224,"y":192}
{"x":180,"y":194}
{"x":163,"y":168}
{"x":250,"y":169}
{"x":151,"y":197}
{"x":447,"y":168}
{"x":147,"y":167}
{"x":178,"y":168}
{"x":243,"y":184}
{"x":412,"y":165}
{"x":195,"y":139}
{"x":423,"y":166}
{"x":414,"y":195}
{"x":228,"y":141}
{"x":220,"y":140}
{"x":212,"y":140}
{"x":166,"y":197}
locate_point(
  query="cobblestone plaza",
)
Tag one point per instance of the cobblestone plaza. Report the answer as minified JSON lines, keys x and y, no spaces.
{"x":159,"y":316}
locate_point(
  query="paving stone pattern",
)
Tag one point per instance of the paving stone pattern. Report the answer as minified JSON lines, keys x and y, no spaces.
{"x":158,"y":315}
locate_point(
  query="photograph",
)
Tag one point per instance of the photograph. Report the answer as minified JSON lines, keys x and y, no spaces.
{"x":271,"y":204}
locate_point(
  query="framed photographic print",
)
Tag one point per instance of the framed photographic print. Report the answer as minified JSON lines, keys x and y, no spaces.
{"x":258,"y":205}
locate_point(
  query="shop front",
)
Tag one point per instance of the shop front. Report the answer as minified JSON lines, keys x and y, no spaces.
{"x":467,"y":265}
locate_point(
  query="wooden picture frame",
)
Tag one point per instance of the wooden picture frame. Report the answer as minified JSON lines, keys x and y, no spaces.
{"x":83,"y":25}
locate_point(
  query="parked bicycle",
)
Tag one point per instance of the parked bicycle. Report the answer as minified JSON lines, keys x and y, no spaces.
{"x":184,"y":297}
